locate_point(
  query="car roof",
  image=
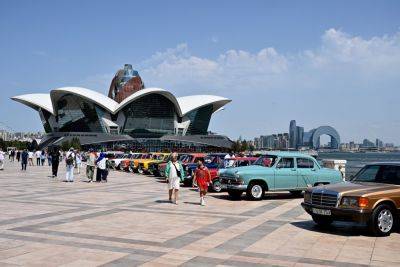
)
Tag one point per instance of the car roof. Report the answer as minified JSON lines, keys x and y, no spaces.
{"x":392,"y":163}
{"x":287,"y":154}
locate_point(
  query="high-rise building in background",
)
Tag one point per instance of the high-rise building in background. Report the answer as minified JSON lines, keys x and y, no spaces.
{"x":293,"y":134}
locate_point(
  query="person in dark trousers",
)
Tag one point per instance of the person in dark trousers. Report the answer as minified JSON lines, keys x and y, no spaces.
{"x":18,"y":155}
{"x":24,"y":159}
{"x":55,"y":161}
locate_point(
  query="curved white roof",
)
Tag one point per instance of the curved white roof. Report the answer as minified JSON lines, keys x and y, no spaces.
{"x":189,"y":103}
{"x":183,"y":104}
{"x":36,"y":101}
{"x":96,"y":97}
{"x":147,"y":91}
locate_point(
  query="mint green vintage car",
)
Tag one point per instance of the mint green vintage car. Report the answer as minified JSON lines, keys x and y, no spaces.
{"x":277,"y":171}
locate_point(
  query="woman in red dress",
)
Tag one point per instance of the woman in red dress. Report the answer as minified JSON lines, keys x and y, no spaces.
{"x":202,"y":178}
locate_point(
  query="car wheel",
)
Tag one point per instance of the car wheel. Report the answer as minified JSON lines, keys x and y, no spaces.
{"x":255,"y":191}
{"x":234,"y":194}
{"x":322,"y":220}
{"x":382,"y":221}
{"x":130,"y":169}
{"x":140,"y":171}
{"x":216,"y":186}
{"x":296,"y":193}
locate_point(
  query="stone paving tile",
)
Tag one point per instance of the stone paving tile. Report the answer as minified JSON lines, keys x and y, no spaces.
{"x":127,"y":222}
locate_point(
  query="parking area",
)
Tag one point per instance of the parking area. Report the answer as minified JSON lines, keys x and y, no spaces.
{"x":128,"y":222}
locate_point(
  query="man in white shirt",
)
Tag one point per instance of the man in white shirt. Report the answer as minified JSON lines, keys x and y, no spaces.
{"x":30,"y":158}
{"x":1,"y":159}
{"x":38,"y":153}
{"x":70,"y":160}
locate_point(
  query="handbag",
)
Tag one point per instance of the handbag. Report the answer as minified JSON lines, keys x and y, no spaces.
{"x":178,"y":172}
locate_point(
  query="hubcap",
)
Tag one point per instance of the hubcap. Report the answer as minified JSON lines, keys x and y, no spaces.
{"x":385,"y":220}
{"x":256,"y":191}
{"x":217,"y":186}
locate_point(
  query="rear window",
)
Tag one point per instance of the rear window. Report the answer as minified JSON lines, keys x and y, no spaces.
{"x":389,"y":175}
{"x":303,"y":163}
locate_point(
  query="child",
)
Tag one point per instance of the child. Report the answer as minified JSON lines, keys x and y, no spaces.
{"x":202,"y":178}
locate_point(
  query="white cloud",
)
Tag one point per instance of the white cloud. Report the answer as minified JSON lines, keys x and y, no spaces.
{"x":347,"y":81}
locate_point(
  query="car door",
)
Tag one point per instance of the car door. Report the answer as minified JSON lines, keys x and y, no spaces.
{"x":285,"y":174}
{"x":307,"y":172}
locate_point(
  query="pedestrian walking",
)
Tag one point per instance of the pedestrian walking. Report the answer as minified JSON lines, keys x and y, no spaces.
{"x":55,"y":161}
{"x":12,"y":154}
{"x":91,"y":165}
{"x":24,"y":159}
{"x":43,"y":157}
{"x":174,"y":173}
{"x":49,"y":158}
{"x":38,"y":153}
{"x":18,"y":155}
{"x":78,"y":161}
{"x":69,"y":161}
{"x":30,"y":158}
{"x":101,"y":163}
{"x":202,"y":178}
{"x":2,"y":159}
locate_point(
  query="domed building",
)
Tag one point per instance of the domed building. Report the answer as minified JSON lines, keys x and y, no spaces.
{"x":131,"y":115}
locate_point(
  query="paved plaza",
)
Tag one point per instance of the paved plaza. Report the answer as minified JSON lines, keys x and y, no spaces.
{"x":128,"y":222}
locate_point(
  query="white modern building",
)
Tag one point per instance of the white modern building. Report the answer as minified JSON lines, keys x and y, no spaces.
{"x":141,"y":113}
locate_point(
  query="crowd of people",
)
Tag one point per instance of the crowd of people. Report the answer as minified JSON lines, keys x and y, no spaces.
{"x":54,"y":156}
{"x":72,"y":158}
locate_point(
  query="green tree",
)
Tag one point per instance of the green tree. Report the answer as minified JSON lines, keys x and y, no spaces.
{"x":244,"y":146}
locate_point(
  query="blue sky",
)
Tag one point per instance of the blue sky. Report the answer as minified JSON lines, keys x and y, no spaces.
{"x":319,"y":62}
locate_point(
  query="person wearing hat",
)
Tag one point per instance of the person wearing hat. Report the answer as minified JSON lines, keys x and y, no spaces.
{"x":91,"y":165}
{"x":70,"y":160}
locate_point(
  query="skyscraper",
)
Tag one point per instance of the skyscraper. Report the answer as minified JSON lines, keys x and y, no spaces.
{"x":292,"y":134}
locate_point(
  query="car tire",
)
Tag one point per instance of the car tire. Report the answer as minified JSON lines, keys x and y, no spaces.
{"x":255,"y":191}
{"x":235,"y":194}
{"x":321,"y":220}
{"x":130,"y":169}
{"x":140,"y":171}
{"x":216,"y":186}
{"x":296,"y":193}
{"x":382,"y":221}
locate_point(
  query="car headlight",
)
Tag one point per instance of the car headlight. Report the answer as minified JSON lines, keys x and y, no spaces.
{"x":349,"y":202}
{"x":307,"y":197}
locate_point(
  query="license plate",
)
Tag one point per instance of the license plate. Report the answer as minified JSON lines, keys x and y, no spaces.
{"x":321,"y":212}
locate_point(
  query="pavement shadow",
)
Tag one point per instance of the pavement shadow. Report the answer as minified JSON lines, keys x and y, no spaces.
{"x":192,"y":203}
{"x":159,"y":201}
{"x":337,"y":228}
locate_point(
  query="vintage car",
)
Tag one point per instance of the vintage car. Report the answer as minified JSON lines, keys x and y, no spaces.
{"x":144,"y":165}
{"x":277,"y":171}
{"x":184,"y":158}
{"x":134,"y":164}
{"x":115,"y":163}
{"x":212,"y":161}
{"x":371,"y":197}
{"x":125,"y":164}
{"x":232,"y":163}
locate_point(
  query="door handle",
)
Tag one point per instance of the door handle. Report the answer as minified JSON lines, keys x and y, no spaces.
{"x":293,"y":170}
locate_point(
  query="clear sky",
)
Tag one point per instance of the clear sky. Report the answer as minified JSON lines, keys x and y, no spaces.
{"x":320,"y":62}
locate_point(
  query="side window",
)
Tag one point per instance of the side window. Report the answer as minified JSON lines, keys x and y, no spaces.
{"x":303,"y":163}
{"x":390,"y":175}
{"x":285,"y":163}
{"x":367,"y":174}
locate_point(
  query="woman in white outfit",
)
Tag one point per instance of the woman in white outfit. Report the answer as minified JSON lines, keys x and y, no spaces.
{"x":174,"y":173}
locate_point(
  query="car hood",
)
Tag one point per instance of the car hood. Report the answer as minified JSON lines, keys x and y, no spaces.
{"x":244,"y":169}
{"x":358,"y":188}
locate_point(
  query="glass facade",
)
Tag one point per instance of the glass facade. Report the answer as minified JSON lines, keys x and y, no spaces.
{"x":75,"y":114}
{"x":149,"y":116}
{"x":45,"y":117}
{"x":199,"y":120}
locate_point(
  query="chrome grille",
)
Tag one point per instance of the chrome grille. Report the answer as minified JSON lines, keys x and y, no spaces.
{"x":324,"y":199}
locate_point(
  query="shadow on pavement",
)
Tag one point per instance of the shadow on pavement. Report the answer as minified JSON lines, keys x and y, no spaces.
{"x":337,"y":228}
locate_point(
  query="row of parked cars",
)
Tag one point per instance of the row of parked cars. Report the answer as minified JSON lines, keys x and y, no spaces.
{"x":371,"y":197}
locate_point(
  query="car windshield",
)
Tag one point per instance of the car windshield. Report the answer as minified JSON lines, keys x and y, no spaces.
{"x":265,"y":161}
{"x":387,"y":174}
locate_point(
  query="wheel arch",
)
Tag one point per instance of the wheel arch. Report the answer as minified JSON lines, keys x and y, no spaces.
{"x":386,"y":201}
{"x":259,"y":181}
